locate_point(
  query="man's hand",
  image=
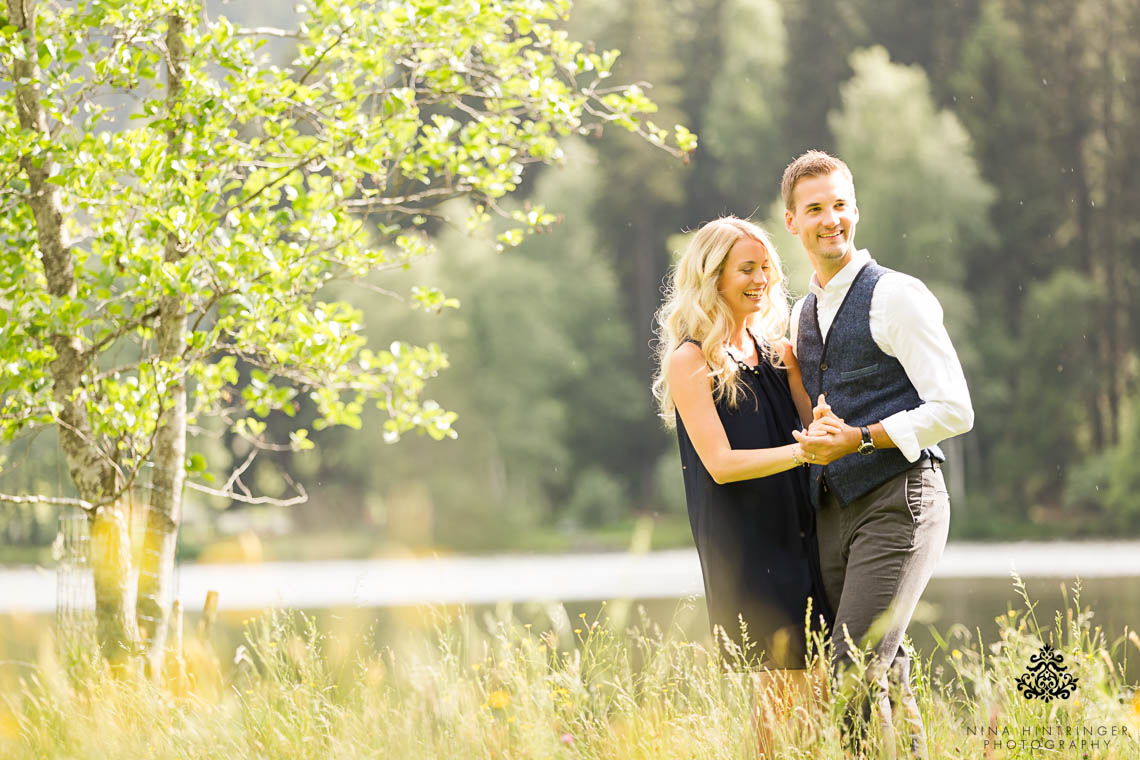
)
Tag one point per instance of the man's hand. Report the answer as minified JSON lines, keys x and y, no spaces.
{"x":828,"y":437}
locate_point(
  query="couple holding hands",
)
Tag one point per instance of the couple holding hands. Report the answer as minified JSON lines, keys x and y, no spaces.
{"x":834,"y":513}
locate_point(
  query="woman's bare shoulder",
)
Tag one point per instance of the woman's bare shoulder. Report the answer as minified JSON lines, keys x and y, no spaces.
{"x":687,"y":355}
{"x":686,"y":364}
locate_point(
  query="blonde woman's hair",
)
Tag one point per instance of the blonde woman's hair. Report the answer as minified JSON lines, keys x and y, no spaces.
{"x":694,"y":309}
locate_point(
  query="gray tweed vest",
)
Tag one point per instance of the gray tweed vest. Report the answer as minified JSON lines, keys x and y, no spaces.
{"x":862,"y":384}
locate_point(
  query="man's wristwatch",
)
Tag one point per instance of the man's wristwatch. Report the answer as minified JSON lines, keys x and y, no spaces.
{"x":867,"y":445}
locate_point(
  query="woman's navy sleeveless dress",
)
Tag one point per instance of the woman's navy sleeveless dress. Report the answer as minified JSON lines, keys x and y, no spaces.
{"x":756,"y":538}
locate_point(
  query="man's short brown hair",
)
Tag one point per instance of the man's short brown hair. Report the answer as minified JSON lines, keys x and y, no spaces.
{"x":814,"y":163}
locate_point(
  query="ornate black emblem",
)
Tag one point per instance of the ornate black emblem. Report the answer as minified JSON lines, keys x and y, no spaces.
{"x":1045,"y":678}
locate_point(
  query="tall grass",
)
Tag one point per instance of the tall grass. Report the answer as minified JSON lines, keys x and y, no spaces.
{"x":571,"y":688}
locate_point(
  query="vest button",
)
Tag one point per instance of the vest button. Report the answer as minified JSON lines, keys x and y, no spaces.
{"x":823,"y":368}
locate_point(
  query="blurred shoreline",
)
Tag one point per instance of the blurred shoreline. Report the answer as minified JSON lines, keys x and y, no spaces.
{"x":672,"y":573}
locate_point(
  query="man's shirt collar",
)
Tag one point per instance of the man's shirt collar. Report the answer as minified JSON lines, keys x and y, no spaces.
{"x":843,"y":278}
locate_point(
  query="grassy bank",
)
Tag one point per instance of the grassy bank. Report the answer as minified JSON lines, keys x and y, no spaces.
{"x":614,"y":687}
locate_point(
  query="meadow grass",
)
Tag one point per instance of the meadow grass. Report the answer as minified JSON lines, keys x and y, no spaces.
{"x":599,"y":688}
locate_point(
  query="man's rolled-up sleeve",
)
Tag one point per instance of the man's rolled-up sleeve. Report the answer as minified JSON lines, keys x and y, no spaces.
{"x":906,"y":322}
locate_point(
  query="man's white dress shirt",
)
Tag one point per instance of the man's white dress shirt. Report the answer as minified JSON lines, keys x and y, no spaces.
{"x":906,"y":323}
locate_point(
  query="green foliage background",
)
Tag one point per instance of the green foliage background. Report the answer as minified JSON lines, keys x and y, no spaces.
{"x":995,"y":148}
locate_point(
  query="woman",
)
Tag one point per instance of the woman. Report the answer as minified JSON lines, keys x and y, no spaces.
{"x":728,"y":380}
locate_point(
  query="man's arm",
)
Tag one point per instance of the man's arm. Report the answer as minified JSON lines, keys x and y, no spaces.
{"x":906,"y":322}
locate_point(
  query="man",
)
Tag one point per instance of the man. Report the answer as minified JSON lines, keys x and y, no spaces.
{"x":871,"y":346}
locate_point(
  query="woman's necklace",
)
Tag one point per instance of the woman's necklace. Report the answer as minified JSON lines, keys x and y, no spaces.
{"x":735,"y":356}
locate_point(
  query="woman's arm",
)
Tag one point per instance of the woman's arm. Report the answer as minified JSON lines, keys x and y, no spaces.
{"x":691,"y":389}
{"x":796,"y":382}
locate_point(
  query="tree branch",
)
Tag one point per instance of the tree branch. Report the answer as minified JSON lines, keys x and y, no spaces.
{"x":236,"y":474}
{"x":130,"y":326}
{"x":387,"y":203}
{"x":301,"y":498}
{"x":295,"y":167}
{"x":321,"y":57}
{"x":266,"y":31}
{"x":59,"y":501}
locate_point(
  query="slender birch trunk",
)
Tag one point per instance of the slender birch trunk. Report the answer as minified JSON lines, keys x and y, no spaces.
{"x":165,"y":513}
{"x":95,"y":476}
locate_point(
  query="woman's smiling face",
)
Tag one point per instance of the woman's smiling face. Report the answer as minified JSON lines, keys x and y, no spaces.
{"x":743,"y":282}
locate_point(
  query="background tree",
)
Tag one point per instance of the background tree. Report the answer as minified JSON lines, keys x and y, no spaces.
{"x":638,"y":210}
{"x":1043,"y":87}
{"x":745,"y":113}
{"x":821,"y":35}
{"x":143,"y":264}
{"x":931,"y":36}
{"x":536,"y":375}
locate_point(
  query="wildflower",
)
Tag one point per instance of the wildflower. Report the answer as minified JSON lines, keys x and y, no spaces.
{"x":9,"y":724}
{"x":956,"y":654}
{"x":567,"y":739}
{"x":498,"y":699}
{"x":1136,"y":703}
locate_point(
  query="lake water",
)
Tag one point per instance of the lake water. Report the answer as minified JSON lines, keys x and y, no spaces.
{"x":670,"y":574}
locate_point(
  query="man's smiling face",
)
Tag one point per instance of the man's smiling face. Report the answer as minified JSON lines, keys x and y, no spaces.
{"x":824,"y":218}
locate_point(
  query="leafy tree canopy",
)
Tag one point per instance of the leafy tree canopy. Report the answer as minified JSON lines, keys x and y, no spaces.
{"x":163,"y":269}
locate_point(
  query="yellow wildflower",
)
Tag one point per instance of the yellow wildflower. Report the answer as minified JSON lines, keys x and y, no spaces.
{"x":498,"y":699}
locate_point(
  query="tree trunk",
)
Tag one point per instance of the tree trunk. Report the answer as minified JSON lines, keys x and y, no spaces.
{"x":111,"y":561}
{"x":156,"y":567}
{"x":94,"y":474}
{"x":1118,"y":177}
